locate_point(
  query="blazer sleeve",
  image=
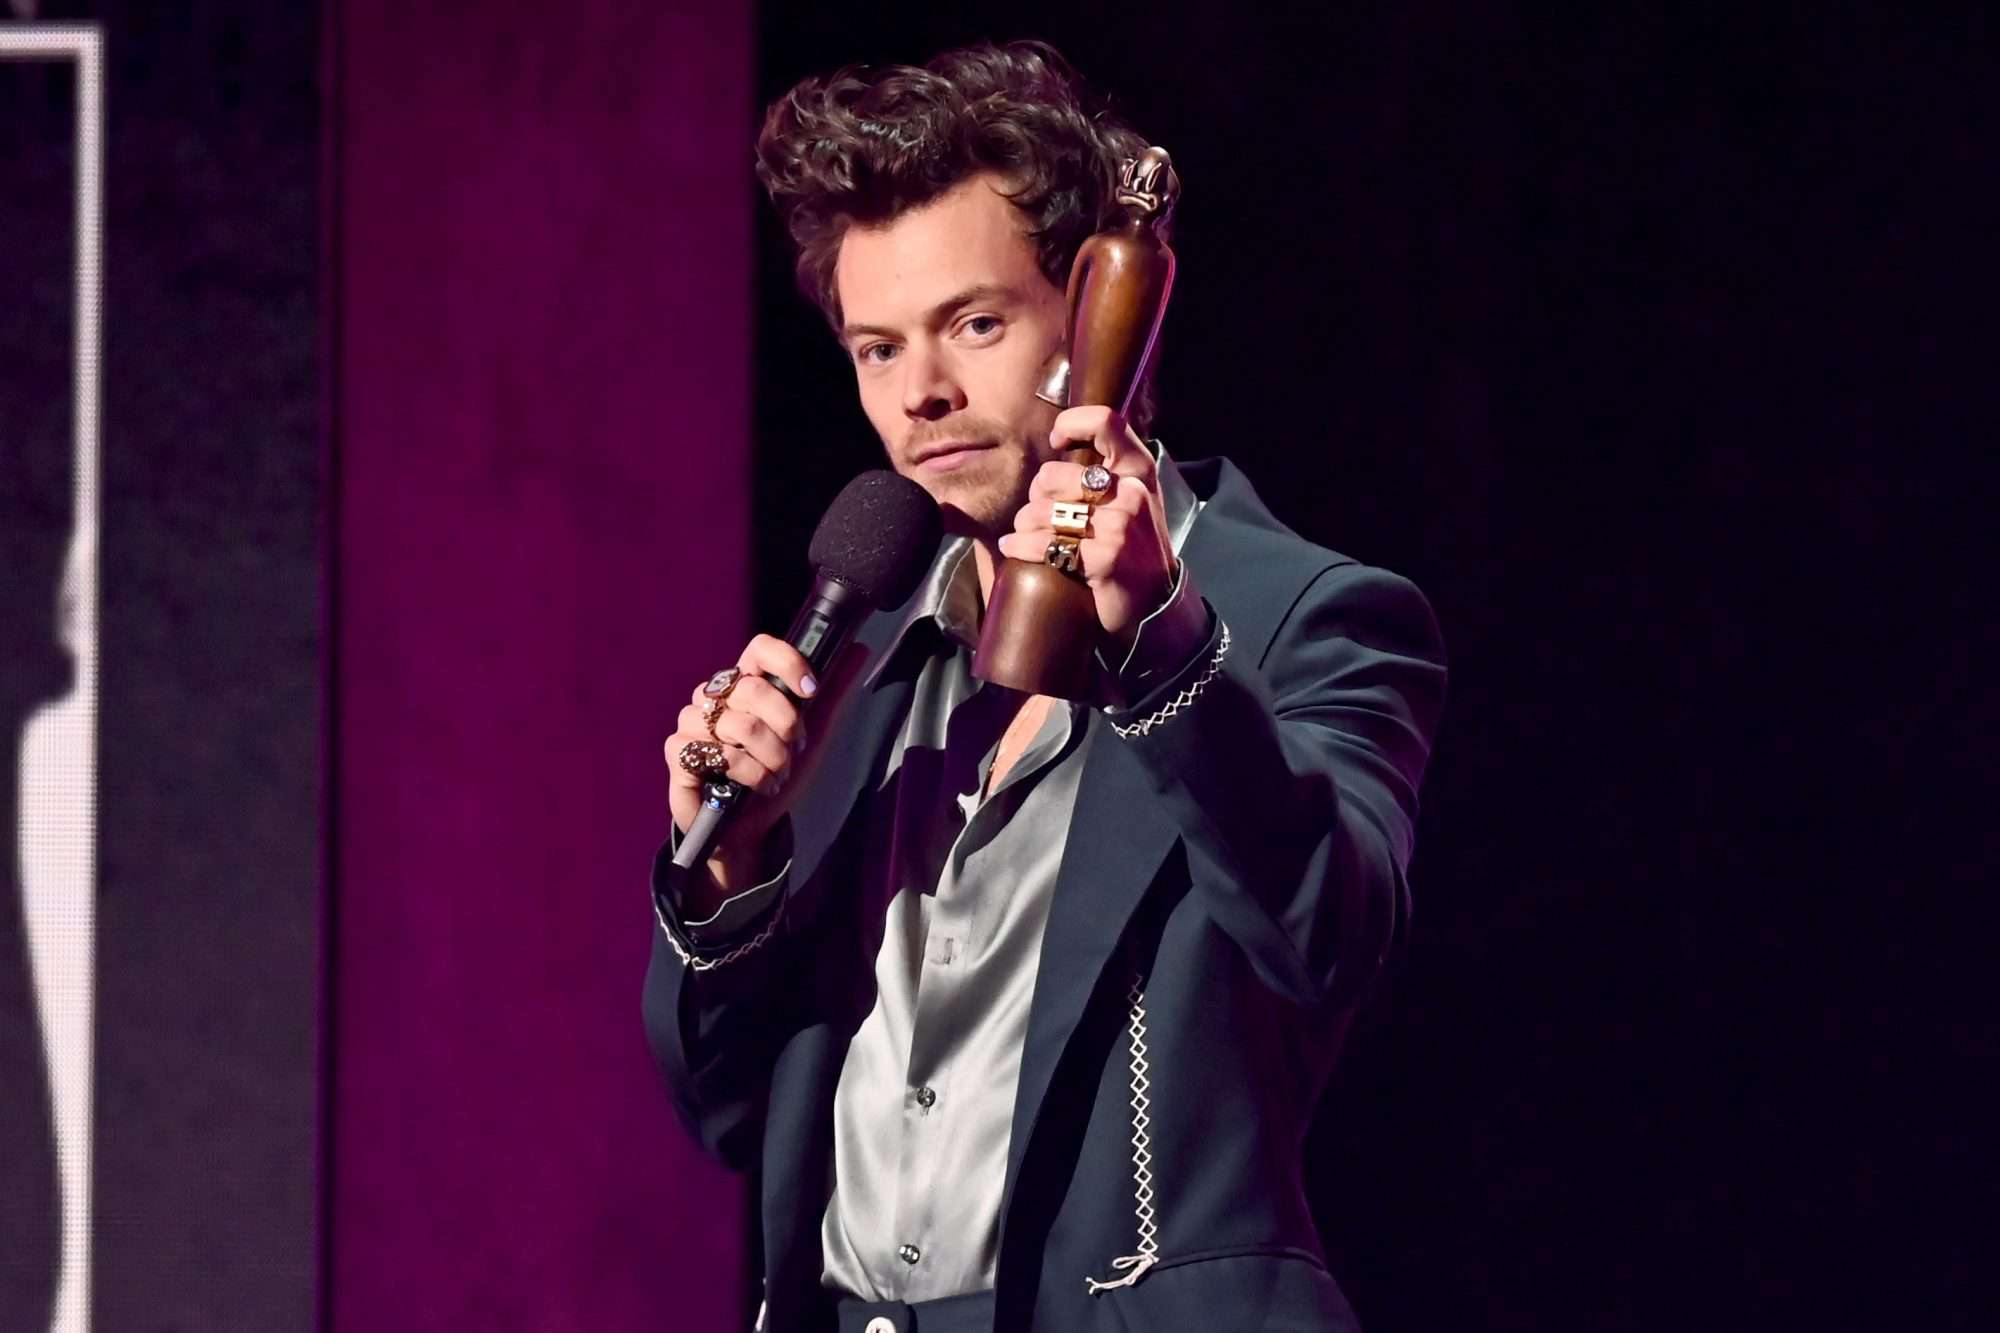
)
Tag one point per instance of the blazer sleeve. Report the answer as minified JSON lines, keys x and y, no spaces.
{"x":718,"y":1007}
{"x":1292,"y":770}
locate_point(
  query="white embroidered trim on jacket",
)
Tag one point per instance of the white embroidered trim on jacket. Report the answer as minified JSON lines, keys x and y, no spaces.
{"x":1134,"y":1266}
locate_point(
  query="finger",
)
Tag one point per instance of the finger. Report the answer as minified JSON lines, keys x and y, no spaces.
{"x":1096,"y":557}
{"x":1109,"y":434}
{"x":759,"y":699}
{"x":1127,"y":455}
{"x":1093,"y":554}
{"x":1132,"y":495}
{"x":1097,"y":560}
{"x":1032,"y":545}
{"x":1080,"y":425}
{"x":741,"y":729}
{"x":1112,"y":516}
{"x":1108,"y":524}
{"x":670,"y":751}
{"x":768,"y":654}
{"x":1034,"y":525}
{"x":1056,"y":481}
{"x":1133,"y":518}
{"x":1042,"y":517}
{"x":1029,"y":545}
{"x":1039,"y":515}
{"x":678,"y":778}
{"x":743,"y":767}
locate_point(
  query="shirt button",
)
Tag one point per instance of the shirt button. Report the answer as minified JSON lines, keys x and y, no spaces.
{"x":927,"y":1097}
{"x":909,"y":1254}
{"x":880,"y":1325}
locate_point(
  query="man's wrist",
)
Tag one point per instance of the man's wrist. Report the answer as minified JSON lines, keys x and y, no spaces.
{"x":1164,"y":641}
{"x":711,"y":896}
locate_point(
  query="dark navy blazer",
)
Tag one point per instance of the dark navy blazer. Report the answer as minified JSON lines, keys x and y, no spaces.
{"x":1239,"y":869}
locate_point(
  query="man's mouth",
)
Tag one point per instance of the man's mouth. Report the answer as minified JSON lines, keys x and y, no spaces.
{"x":948,"y":454}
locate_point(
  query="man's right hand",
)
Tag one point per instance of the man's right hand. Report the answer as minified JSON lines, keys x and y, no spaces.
{"x":762,"y":736}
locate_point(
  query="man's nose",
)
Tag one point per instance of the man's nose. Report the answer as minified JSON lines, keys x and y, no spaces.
{"x":930,"y":390}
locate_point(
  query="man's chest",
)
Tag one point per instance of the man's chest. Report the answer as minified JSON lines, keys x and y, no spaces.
{"x":1019,"y":733}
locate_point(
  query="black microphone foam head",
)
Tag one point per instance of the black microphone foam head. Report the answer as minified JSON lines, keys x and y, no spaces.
{"x":878,"y":537}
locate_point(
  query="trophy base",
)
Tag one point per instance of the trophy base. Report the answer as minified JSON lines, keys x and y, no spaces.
{"x":1040,"y":628}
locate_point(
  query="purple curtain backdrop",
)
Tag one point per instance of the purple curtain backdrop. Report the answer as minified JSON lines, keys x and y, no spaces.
{"x":541,"y":254}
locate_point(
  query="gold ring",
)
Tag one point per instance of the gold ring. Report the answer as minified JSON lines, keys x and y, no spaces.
{"x":1070,"y":518}
{"x":711,"y":713}
{"x":1097,"y":482}
{"x":1062,"y":556}
{"x":703,"y":759}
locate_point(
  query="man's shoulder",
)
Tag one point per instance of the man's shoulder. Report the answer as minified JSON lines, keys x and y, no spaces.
{"x":1237,"y":517}
{"x":1252,"y":567}
{"x":1282,"y":594}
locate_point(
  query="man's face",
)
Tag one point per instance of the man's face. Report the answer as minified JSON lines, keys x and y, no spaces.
{"x":950,"y":326}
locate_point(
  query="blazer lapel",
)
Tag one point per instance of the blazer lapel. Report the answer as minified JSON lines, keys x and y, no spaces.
{"x":1120,"y":833}
{"x":850,"y":753}
{"x":882,"y":671}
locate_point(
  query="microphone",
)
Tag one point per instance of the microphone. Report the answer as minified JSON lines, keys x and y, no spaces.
{"x":868,"y":554}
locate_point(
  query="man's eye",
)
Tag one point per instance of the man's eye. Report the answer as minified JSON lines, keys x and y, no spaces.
{"x":980,"y":326}
{"x":875,"y":354}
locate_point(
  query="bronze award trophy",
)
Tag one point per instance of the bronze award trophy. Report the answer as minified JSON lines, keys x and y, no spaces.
{"x":1041,"y":623}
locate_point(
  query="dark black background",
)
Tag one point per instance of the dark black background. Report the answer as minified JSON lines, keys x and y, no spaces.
{"x":1652,"y":342}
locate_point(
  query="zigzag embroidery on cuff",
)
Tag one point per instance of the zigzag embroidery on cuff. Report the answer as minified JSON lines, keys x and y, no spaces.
{"x":1188,"y":694}
{"x":699,"y":963}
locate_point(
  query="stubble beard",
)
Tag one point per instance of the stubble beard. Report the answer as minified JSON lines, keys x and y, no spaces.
{"x":982,"y":507}
{"x":980,"y":498}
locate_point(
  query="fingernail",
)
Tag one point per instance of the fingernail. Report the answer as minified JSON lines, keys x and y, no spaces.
{"x":808,"y":687}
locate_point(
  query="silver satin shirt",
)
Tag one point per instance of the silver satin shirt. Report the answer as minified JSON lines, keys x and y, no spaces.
{"x":925,"y":1104}
{"x":926,"y":1096}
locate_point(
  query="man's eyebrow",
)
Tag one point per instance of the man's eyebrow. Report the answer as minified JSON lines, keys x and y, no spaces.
{"x":939,"y":313}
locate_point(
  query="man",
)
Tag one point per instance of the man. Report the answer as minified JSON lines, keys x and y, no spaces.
{"x":1024,"y":1005}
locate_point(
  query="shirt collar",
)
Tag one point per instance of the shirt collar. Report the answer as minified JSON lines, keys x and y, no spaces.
{"x":948,"y":600}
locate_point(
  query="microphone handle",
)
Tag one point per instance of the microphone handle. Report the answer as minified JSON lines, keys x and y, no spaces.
{"x":818,"y":631}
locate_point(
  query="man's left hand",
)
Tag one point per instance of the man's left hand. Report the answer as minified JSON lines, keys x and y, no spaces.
{"x":1126,"y":557}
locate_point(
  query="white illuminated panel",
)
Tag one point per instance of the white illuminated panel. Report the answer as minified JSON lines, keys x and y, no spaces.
{"x":58,"y":745}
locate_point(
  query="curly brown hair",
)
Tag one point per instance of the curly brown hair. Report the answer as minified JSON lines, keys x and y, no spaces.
{"x":866,"y":144}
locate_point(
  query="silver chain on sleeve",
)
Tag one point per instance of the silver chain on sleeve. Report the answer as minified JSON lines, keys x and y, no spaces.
{"x":698,"y":963}
{"x":1187,"y":695}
